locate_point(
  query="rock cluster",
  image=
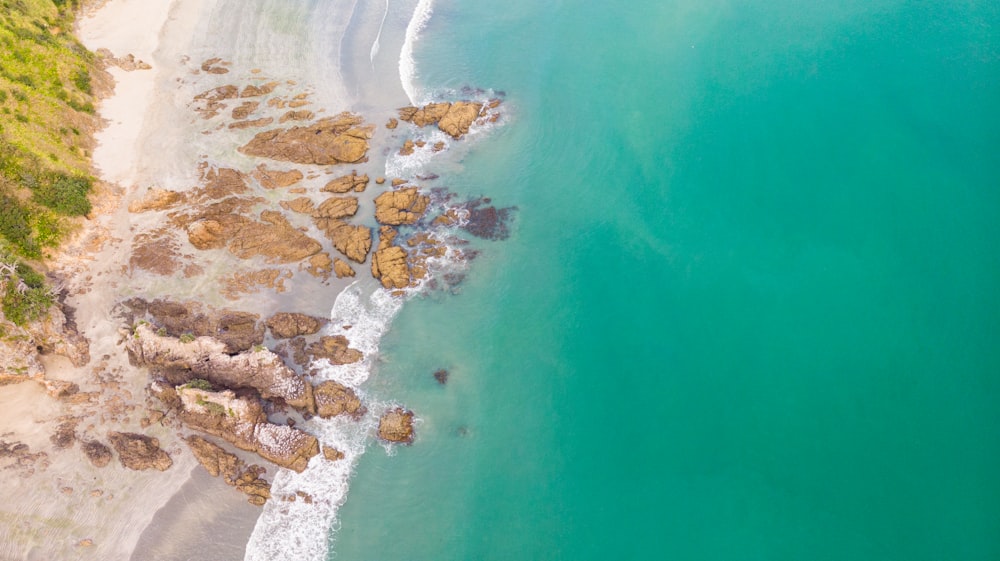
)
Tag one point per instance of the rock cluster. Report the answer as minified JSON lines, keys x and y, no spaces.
{"x":333,"y":140}
{"x":139,"y":452}
{"x":233,"y":470}
{"x":455,"y":118}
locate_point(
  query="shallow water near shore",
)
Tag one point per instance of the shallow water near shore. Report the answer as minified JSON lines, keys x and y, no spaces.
{"x":749,"y":308}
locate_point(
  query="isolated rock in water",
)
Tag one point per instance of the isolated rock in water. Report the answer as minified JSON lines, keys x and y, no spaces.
{"x":441,"y":376}
{"x":407,"y":148}
{"x":255,"y":91}
{"x":242,"y":422}
{"x":488,"y":222}
{"x":334,"y":399}
{"x":403,"y":206}
{"x":139,"y":452}
{"x":389,"y":262}
{"x":245,"y":109}
{"x":392,"y":123}
{"x":337,"y":207}
{"x":332,"y":454}
{"x":329,"y":141}
{"x":300,"y":115}
{"x":97,"y":453}
{"x":335,"y":348}
{"x":459,"y":118}
{"x":429,"y":114}
{"x":207,"y":358}
{"x":288,"y":325}
{"x":353,"y":182}
{"x":352,"y":240}
{"x":342,"y":269}
{"x":396,"y":425}
{"x":273,"y":178}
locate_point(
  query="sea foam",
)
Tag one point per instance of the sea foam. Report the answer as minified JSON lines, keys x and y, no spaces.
{"x":407,"y":66}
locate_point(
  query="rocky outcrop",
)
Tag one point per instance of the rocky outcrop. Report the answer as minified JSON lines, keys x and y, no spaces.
{"x":155,"y":199}
{"x":139,"y":452}
{"x":332,"y":454}
{"x":334,"y":348}
{"x":208,"y":359}
{"x":301,"y":205}
{"x":352,"y":240}
{"x":252,"y":90}
{"x":288,"y":325}
{"x":337,"y":207}
{"x":347,"y":183}
{"x":300,"y":115}
{"x":396,"y":425}
{"x":244,"y":110}
{"x":241,"y":421}
{"x":233,"y":470}
{"x":65,"y":435}
{"x":389,"y":264}
{"x":97,"y":453}
{"x":238,"y":331}
{"x":333,"y":140}
{"x":342,"y":269}
{"x":455,"y":119}
{"x":215,"y":66}
{"x":273,"y":238}
{"x":274,"y":179}
{"x":402,"y":206}
{"x":334,"y":399}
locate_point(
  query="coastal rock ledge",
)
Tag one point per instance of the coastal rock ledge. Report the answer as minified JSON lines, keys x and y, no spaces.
{"x":333,"y":140}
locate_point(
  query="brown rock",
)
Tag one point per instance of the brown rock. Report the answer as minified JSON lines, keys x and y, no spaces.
{"x":274,"y":239}
{"x":300,"y":115}
{"x":211,"y":66}
{"x":337,"y":207}
{"x":243,"y":110}
{"x":208,"y":359}
{"x":403,"y":206}
{"x":347,"y":183}
{"x":255,"y":91}
{"x":97,"y":453}
{"x":288,"y":325}
{"x":301,"y":205}
{"x":441,"y":376}
{"x":334,"y":399}
{"x":155,"y":199}
{"x":428,"y":115}
{"x":438,"y":146}
{"x":272,"y":178}
{"x":139,"y":452}
{"x":219,"y":94}
{"x":320,"y":265}
{"x":233,"y":470}
{"x":393,"y":123}
{"x":332,"y":454}
{"x":397,"y":181}
{"x":353,"y":241}
{"x":335,"y":349}
{"x":65,"y":435}
{"x":389,"y":262}
{"x":407,"y":148}
{"x":328,"y":141}
{"x":342,"y":269}
{"x":379,"y":180}
{"x":396,"y":425}
{"x":262,"y":122}
{"x":459,"y":118}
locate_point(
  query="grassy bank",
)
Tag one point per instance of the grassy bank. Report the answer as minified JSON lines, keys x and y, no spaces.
{"x":46,"y":125}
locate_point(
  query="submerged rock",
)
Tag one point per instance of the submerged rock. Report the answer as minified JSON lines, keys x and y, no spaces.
{"x":139,"y":452}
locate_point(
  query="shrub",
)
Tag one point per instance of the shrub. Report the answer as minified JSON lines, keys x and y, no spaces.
{"x":28,"y":303}
{"x":64,"y":194}
{"x":199,"y":384}
{"x":187,"y":338}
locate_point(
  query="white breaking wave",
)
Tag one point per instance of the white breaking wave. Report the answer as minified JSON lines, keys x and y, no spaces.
{"x":297,"y":531}
{"x":378,"y":36}
{"x":407,"y":66}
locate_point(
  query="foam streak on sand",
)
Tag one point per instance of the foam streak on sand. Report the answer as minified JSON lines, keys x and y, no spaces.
{"x":407,"y":66}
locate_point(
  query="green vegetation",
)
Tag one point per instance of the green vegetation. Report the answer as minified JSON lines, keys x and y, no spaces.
{"x":186,"y":337}
{"x":199,"y":384}
{"x":25,"y":294}
{"x":46,"y":90}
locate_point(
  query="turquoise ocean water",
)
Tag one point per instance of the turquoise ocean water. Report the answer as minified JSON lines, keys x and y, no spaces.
{"x":750,"y":308}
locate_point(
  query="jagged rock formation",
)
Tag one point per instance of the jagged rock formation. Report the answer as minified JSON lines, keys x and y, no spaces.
{"x":208,"y":359}
{"x":389,"y":263}
{"x":333,"y":140}
{"x":273,"y":238}
{"x":396,"y":425}
{"x":342,"y":269}
{"x":335,"y":348}
{"x":233,"y":470}
{"x":334,"y":399}
{"x":54,"y":333}
{"x":454,"y":119}
{"x":238,"y":331}
{"x":288,"y":325}
{"x":347,"y":183}
{"x":241,"y":421}
{"x":139,"y":452}
{"x":402,"y":206}
{"x":352,"y":240}
{"x":336,"y":207}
